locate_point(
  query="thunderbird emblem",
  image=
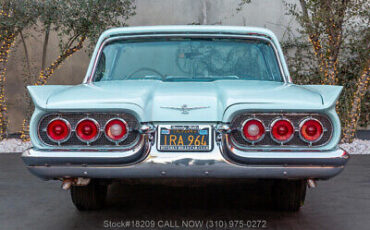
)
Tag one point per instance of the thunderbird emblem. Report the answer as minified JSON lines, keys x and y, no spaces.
{"x":185,"y":109}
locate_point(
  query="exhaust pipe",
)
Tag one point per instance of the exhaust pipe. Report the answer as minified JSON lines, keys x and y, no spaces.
{"x":311,"y":183}
{"x":82,"y":181}
{"x":68,"y":182}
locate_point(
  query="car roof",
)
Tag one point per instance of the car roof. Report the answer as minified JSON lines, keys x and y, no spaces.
{"x":242,"y":30}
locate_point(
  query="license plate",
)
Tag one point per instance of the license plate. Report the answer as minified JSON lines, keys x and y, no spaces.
{"x":192,"y":138}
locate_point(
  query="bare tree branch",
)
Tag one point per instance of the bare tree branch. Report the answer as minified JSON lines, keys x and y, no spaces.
{"x":45,"y":47}
{"x":26,"y":54}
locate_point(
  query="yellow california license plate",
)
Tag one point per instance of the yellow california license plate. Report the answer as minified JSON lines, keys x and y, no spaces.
{"x":184,"y":138}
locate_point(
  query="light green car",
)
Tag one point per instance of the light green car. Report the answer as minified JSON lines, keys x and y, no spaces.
{"x":185,"y":102}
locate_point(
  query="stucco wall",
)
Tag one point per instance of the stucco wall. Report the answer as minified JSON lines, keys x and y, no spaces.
{"x":262,"y":13}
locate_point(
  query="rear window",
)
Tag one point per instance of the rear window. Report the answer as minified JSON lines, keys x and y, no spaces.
{"x":188,"y":59}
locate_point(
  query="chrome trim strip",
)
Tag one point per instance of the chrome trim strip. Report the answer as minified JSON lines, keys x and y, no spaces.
{"x":228,"y":146}
{"x":222,"y":170}
{"x":184,"y":108}
{"x":123,"y":37}
{"x":93,"y":156}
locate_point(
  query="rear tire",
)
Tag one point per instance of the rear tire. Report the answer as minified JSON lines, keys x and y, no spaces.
{"x":289,"y":195}
{"x":89,"y":197}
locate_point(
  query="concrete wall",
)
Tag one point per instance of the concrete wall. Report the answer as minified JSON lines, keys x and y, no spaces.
{"x":262,"y":13}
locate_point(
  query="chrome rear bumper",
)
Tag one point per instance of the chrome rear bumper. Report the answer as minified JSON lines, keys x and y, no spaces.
{"x":222,"y":162}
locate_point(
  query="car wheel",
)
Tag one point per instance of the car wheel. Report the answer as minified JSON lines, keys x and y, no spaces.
{"x":289,"y":195}
{"x":89,"y":197}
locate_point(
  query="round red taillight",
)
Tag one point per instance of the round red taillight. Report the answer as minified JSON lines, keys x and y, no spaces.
{"x":311,"y":130}
{"x":253,"y":130}
{"x":87,"y":130}
{"x":116,"y":130}
{"x":58,"y":130}
{"x":282,"y":130}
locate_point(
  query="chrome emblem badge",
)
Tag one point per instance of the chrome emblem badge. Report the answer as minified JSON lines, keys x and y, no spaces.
{"x":184,"y":108}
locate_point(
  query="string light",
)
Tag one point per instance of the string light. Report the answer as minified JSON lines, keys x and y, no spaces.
{"x":7,"y":41}
{"x":326,"y":49}
{"x":362,"y":85}
{"x":24,"y":133}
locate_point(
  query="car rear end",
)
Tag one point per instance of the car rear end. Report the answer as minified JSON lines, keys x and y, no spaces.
{"x":91,"y":134}
{"x":89,"y":150}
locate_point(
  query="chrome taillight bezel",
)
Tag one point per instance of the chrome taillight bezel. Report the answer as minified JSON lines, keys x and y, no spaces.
{"x":122,"y":138}
{"x":302,"y":123}
{"x":69,"y":128}
{"x":272,"y":125}
{"x":101,"y":117}
{"x":97,"y":126}
{"x":268,"y":117}
{"x":259,"y":139}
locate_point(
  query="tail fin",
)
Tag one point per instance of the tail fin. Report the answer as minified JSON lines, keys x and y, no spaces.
{"x":40,"y":94}
{"x":329,"y":93}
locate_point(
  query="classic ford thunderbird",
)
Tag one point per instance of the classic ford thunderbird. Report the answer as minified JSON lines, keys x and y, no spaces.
{"x":186,"y":103}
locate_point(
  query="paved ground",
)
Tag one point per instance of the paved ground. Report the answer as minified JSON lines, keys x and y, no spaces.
{"x":29,"y":203}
